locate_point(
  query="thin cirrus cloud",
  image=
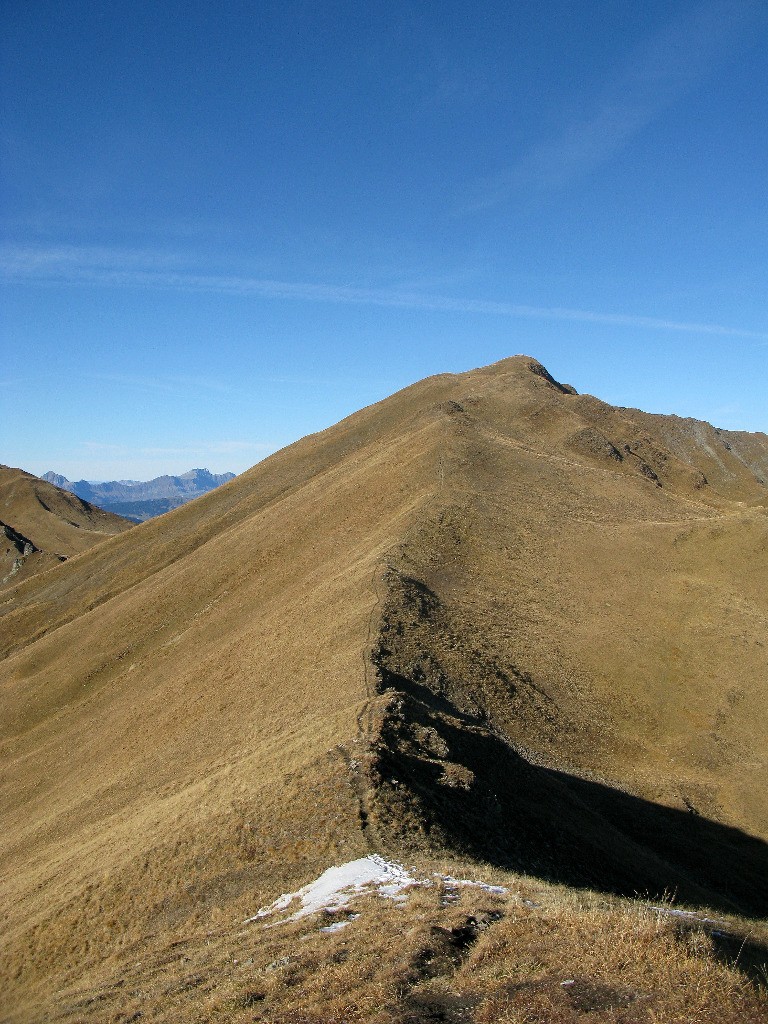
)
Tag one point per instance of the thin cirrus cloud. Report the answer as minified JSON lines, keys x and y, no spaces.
{"x":670,"y":64}
{"x":39,"y":261}
{"x":112,"y":267}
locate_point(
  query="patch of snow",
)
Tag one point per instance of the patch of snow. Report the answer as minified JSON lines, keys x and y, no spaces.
{"x":460,"y":883}
{"x":453,"y":886}
{"x":338,"y":925}
{"x":339,"y":885}
{"x":690,"y":914}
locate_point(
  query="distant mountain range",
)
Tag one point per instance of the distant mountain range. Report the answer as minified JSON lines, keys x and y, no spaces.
{"x":139,"y":500}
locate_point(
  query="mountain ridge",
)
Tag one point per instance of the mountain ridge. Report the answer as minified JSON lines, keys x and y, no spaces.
{"x":141,"y":500}
{"x":333,"y":653}
{"x":44,"y":525}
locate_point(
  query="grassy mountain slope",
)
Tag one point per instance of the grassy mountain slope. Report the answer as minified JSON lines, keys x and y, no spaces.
{"x":486,"y":618}
{"x":43,"y":525}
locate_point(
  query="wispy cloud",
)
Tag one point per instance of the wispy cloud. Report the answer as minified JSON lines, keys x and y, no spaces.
{"x":39,"y":260}
{"x":113,"y":268}
{"x":670,"y":64}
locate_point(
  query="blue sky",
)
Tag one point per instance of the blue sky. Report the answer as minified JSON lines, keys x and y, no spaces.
{"x":225,"y":226}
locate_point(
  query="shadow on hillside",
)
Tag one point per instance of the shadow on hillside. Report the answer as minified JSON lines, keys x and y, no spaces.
{"x":557,"y":826}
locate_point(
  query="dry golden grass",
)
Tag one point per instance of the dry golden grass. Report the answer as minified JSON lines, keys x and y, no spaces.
{"x":536,"y":954}
{"x":57,"y":523}
{"x":335,"y":653}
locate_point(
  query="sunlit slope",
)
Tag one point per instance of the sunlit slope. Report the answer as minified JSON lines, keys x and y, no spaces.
{"x":584,"y":554}
{"x":328,"y":653}
{"x":589,"y":596}
{"x":41,"y":525}
{"x":42,"y":606}
{"x":187,"y":712}
{"x":735,"y":462}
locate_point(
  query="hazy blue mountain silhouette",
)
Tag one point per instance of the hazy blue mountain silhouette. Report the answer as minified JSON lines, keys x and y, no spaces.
{"x":139,"y":500}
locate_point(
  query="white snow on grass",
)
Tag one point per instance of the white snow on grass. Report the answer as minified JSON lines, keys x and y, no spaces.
{"x":690,"y":914}
{"x":461,"y":883}
{"x":337,"y":886}
{"x":338,"y":925}
{"x":335,"y":889}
